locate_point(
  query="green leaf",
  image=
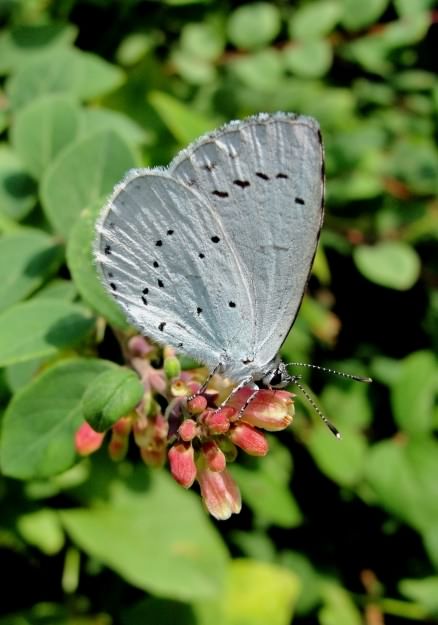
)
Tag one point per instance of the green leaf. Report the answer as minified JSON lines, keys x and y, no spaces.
{"x":393,"y":264}
{"x":265,"y":487}
{"x":314,"y":20}
{"x":17,"y":189}
{"x":343,"y":460}
{"x":94,"y":119}
{"x":261,"y":71}
{"x":338,"y":607}
{"x":155,"y":535}
{"x":40,"y":422}
{"x":72,"y":71}
{"x":414,"y":160}
{"x":423,"y":591}
{"x":83,"y":269}
{"x":203,"y":40}
{"x":58,"y":289}
{"x":85,"y":172}
{"x":413,"y":393}
{"x":257,"y":593}
{"x":24,"y":42}
{"x":42,"y":529}
{"x":372,"y":51}
{"x":42,"y":129}
{"x":311,"y":58}
{"x":310,"y":594}
{"x":254,"y":25}
{"x":183,"y":122}
{"x":412,"y":7}
{"x":159,"y":611}
{"x":348,"y":404}
{"x":193,"y":69}
{"x":41,"y":327}
{"x":407,"y":486}
{"x":27,"y":258}
{"x":357,"y":15}
{"x":111,"y":396}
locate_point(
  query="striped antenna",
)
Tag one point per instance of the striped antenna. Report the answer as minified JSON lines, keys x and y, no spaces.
{"x":315,"y":406}
{"x":349,"y":376}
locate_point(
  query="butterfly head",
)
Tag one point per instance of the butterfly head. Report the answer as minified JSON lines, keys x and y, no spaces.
{"x":277,"y":376}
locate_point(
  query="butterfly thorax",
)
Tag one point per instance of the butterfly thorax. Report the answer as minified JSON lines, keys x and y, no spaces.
{"x":271,"y":375}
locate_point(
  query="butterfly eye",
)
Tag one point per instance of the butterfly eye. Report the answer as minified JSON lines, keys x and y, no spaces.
{"x":276,"y":378}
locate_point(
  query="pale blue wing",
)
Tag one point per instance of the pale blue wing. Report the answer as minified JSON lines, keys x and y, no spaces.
{"x":264,"y":179}
{"x":165,"y":255}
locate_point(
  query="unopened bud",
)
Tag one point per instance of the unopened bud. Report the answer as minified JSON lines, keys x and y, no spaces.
{"x":188,"y":430}
{"x":214,"y":457}
{"x":197,"y":405}
{"x":171,"y":367}
{"x":87,"y":440}
{"x":251,"y":440}
{"x":182,"y":464}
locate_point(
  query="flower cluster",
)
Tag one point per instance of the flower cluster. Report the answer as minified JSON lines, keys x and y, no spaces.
{"x":179,"y":420}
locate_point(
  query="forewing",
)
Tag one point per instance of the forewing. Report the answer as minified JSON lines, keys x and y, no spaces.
{"x":264,"y":177}
{"x":167,"y":260}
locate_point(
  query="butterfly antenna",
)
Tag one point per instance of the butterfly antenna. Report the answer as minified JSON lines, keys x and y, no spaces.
{"x":318,"y":411}
{"x":349,"y":376}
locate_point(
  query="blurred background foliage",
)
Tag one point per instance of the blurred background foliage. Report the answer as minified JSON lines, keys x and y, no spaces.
{"x":333,"y":533}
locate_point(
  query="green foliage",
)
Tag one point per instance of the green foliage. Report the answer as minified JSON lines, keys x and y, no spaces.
{"x":111,"y":396}
{"x":328,"y":526}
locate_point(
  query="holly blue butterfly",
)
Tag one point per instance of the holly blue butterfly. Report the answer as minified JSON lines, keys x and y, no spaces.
{"x":212,"y":254}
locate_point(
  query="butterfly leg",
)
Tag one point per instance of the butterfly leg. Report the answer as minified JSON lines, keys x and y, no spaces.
{"x":245,"y":382}
{"x":206,"y":382}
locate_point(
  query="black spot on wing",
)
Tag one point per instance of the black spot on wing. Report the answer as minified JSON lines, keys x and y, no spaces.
{"x":220,"y":193}
{"x":159,"y":243}
{"x":215,"y":239}
{"x":107,"y":250}
{"x":161,"y":284}
{"x":280,"y":175}
{"x":162,"y":326}
{"x":155,"y":264}
{"x":232,"y":304}
{"x":299,"y":200}
{"x":241,"y":183}
{"x":261,"y":175}
{"x":113,"y":286}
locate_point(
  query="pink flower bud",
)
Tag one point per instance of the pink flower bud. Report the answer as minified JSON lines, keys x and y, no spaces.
{"x":251,"y":440}
{"x":188,"y":430}
{"x":218,"y":421}
{"x":123,"y":426}
{"x":157,"y":380}
{"x":138,"y":346}
{"x":118,"y":446}
{"x":193,"y":386}
{"x":197,"y":405}
{"x":182,"y":464}
{"x":214,"y":457}
{"x":269,"y":410}
{"x":87,"y":440}
{"x":219,"y":492}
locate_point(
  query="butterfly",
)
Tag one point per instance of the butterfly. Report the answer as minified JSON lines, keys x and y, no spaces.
{"x":212,"y":254}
